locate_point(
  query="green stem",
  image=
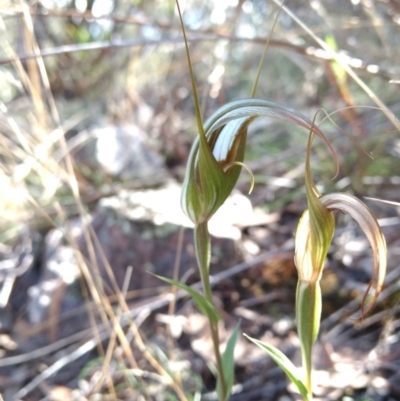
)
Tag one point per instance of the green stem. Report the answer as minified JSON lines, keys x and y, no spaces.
{"x":202,"y":242}
{"x":308,"y":315}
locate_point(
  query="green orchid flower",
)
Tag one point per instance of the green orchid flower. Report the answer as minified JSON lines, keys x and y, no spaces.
{"x":217,"y":154}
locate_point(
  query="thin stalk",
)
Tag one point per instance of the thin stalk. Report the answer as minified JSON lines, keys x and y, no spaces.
{"x":255,"y":83}
{"x":308,"y":315}
{"x":202,"y":241}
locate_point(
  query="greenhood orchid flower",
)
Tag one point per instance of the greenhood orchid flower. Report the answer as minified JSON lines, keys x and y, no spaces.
{"x":216,"y":157}
{"x":313,"y":238}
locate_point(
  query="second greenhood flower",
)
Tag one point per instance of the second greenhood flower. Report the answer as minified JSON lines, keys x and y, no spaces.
{"x":316,"y":227}
{"x":313,"y":238}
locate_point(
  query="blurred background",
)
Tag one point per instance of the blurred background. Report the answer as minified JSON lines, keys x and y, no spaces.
{"x":96,"y":124}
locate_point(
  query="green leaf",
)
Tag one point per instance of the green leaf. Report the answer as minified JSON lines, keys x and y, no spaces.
{"x":205,"y":307}
{"x":285,"y":364}
{"x":228,"y":364}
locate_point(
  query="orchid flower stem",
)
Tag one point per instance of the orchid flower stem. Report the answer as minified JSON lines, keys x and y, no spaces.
{"x":308,"y":314}
{"x":202,"y":242}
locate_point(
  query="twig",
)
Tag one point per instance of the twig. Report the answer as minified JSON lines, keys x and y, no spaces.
{"x":37,"y":353}
{"x":309,"y":51}
{"x":53,"y":369}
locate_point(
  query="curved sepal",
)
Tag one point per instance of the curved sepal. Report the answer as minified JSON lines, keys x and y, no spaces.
{"x":366,"y":220}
